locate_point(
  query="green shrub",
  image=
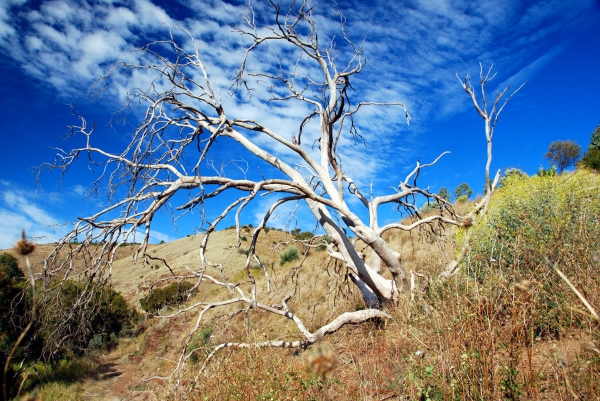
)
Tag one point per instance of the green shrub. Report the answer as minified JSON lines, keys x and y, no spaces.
{"x":94,"y":319}
{"x":289,"y":254}
{"x":266,"y":230}
{"x":429,"y":206}
{"x":463,"y":191}
{"x":303,"y":236}
{"x":11,"y":285}
{"x":198,"y":341}
{"x":536,"y":222}
{"x":551,"y":172}
{"x":13,"y":311}
{"x":323,"y":247}
{"x":512,"y":172}
{"x":244,"y":238}
{"x":591,"y":159}
{"x":173,"y":294}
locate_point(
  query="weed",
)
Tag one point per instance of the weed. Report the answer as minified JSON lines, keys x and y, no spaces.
{"x":200,"y":340}
{"x":289,"y":254}
{"x":173,"y":294}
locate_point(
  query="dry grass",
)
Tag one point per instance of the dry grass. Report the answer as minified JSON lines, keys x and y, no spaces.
{"x":496,"y":338}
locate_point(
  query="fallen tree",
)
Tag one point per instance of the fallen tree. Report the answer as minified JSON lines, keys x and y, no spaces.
{"x":169,"y":154}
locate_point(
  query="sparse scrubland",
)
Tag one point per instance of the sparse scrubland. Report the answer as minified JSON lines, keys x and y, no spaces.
{"x":506,"y":326}
{"x":457,"y":301}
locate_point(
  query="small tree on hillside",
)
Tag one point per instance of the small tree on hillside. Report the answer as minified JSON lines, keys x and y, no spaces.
{"x":462,"y":192}
{"x":563,"y":154}
{"x":169,"y":154}
{"x":591,"y":158}
{"x":444,"y":193}
{"x":512,"y":172}
{"x":595,"y":139}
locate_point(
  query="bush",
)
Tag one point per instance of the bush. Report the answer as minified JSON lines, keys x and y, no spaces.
{"x":289,"y":254}
{"x":98,"y":319}
{"x":306,"y":235}
{"x":512,"y":172}
{"x":531,"y":222}
{"x":429,"y":206}
{"x":97,"y":322}
{"x":591,"y":159}
{"x":551,"y":172}
{"x":325,"y":239}
{"x":173,"y":294}
{"x":12,"y":312}
{"x":198,"y":341}
{"x":11,"y":285}
{"x":462,"y":192}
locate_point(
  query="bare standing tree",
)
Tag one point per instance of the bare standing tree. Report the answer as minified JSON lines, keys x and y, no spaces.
{"x":490,"y":118}
{"x":185,"y":118}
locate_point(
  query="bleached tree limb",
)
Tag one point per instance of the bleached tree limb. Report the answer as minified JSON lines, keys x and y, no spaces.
{"x":170,"y":150}
{"x":345,"y":318}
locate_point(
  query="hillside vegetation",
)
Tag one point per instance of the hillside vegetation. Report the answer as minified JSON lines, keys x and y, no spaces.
{"x":505,"y":327}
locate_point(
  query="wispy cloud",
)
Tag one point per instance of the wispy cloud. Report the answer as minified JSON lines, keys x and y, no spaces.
{"x":413,"y":49}
{"x":22,"y":210}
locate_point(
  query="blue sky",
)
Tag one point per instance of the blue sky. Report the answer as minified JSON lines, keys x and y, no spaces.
{"x":53,"y":51}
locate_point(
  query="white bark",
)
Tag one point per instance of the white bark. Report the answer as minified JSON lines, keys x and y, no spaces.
{"x":188,"y":104}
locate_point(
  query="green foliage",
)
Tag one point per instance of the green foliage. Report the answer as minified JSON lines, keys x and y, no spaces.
{"x":295,"y":231}
{"x":542,"y":172}
{"x":244,"y":238}
{"x":591,"y":159}
{"x":56,"y":377}
{"x":432,"y":205}
{"x":463,"y":192}
{"x":11,"y":280}
{"x":595,"y":139}
{"x":266,"y":229}
{"x":531,"y":222}
{"x":326,"y":239}
{"x":9,"y":267}
{"x":512,"y":172}
{"x":200,"y":340}
{"x":303,"y":236}
{"x":429,"y":206}
{"x":289,"y":254}
{"x":173,"y":294}
{"x":12,"y":307}
{"x":444,"y":193}
{"x":563,"y":154}
{"x":98,"y":319}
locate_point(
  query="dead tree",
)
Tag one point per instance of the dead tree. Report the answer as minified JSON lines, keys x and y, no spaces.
{"x":169,"y":154}
{"x":490,"y":118}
